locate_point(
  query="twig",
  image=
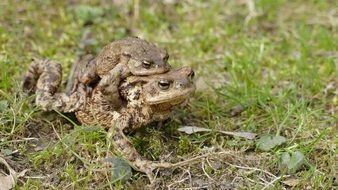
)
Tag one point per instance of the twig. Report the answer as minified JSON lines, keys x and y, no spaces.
{"x":206,"y":172}
{"x":250,"y":168}
{"x":20,"y":140}
{"x":180,"y":181}
{"x":192,"y":188}
{"x":272,"y":182}
{"x":189,"y":161}
{"x":14,"y":121}
{"x":186,"y":171}
{"x":252,"y":11}
{"x":254,"y":182}
{"x":34,"y":177}
{"x":209,"y":164}
{"x":265,"y":182}
{"x":74,"y":182}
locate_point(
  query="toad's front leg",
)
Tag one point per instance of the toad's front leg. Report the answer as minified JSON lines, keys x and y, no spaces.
{"x":82,"y":71}
{"x":128,"y":151}
{"x":109,"y":83}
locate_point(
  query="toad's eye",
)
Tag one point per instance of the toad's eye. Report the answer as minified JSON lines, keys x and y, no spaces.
{"x":164,"y":84}
{"x":146,"y":64}
{"x":126,"y":54}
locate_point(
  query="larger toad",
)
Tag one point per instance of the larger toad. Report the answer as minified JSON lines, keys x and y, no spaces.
{"x":148,"y":99}
{"x":145,"y":99}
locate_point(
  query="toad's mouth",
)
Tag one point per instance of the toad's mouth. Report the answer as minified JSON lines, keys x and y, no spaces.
{"x":171,"y":99}
{"x":168,"y":104}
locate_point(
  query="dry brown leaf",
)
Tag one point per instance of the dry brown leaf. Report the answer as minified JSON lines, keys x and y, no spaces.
{"x":291,"y":181}
{"x":192,"y":129}
{"x":236,"y":110}
{"x":8,"y":176}
{"x":246,"y":135}
{"x":6,"y":182}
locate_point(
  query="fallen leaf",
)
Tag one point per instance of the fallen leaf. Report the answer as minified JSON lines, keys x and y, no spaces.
{"x":121,"y":170}
{"x":267,"y":142}
{"x":291,"y":181}
{"x":292,"y":161}
{"x":7,"y":175}
{"x":246,"y":135}
{"x":6,"y":152}
{"x":191,"y":129}
{"x":3,"y":105}
{"x":236,"y":110}
{"x":39,"y":148}
{"x":6,"y":182}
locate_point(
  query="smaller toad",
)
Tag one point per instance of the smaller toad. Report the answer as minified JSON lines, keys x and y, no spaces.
{"x":118,"y":60}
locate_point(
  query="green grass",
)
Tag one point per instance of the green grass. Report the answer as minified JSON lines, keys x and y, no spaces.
{"x":279,"y":66}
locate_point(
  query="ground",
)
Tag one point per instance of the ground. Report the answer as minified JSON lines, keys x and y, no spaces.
{"x":268,"y":67}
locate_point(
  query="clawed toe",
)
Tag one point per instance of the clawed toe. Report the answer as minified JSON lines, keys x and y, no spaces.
{"x":150,"y":176}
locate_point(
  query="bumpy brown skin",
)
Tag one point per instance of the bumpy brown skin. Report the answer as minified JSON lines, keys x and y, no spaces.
{"x":118,"y":60}
{"x":148,"y":99}
{"x":145,"y":99}
{"x":44,"y":78}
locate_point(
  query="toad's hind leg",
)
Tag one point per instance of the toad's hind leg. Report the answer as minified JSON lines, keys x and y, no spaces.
{"x":50,"y":78}
{"x":128,"y":151}
{"x":43,"y":75}
{"x":46,"y":76}
{"x":31,"y":77}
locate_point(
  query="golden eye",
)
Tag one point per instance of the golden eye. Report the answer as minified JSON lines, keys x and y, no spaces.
{"x":126,"y":54}
{"x":164,"y":84}
{"x":146,"y":64}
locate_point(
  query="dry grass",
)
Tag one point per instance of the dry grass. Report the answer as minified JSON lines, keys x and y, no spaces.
{"x":277,"y":59}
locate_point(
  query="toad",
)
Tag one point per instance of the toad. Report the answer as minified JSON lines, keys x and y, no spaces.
{"x":147,"y":99}
{"x":118,"y":60}
{"x":144,"y":99}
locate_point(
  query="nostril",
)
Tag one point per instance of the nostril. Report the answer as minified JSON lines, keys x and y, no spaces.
{"x":191,"y":74}
{"x":168,"y":66}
